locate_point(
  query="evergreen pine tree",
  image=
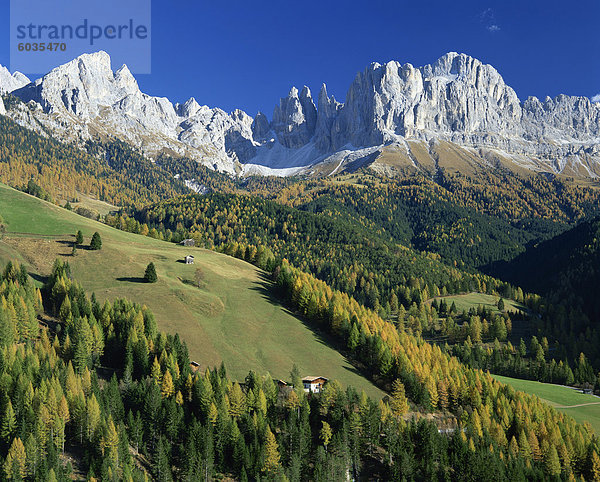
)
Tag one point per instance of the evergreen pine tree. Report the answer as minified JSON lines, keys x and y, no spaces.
{"x":96,"y":242}
{"x":150,"y":275}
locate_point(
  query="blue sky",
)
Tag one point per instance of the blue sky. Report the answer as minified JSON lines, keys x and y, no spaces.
{"x":247,"y":54}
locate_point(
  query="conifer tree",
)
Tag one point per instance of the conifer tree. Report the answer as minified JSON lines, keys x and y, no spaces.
{"x":551,"y":462}
{"x":93,"y":417}
{"x":15,"y":465}
{"x":237,"y":401}
{"x":167,"y":387}
{"x":150,"y":275}
{"x":398,"y":400}
{"x":325,"y":434}
{"x":271,"y":464}
{"x":595,"y":465}
{"x":96,"y":242}
{"x":9,"y":423}
{"x":110,"y":442}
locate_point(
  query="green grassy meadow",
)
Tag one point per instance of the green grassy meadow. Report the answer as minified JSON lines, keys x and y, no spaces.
{"x":232,"y":318}
{"x":582,"y":407}
{"x":473,"y":300}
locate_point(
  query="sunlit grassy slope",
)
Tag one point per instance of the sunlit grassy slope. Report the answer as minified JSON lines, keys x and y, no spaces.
{"x":582,"y":407}
{"x":473,"y":300}
{"x":232,"y":318}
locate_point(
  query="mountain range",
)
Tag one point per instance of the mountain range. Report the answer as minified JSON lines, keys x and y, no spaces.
{"x":457,"y":113}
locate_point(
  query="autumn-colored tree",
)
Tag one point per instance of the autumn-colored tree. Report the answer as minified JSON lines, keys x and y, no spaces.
{"x":551,"y":462}
{"x":261,"y":402}
{"x":595,"y":465}
{"x":9,"y":423}
{"x":167,"y":387}
{"x":156,"y":373}
{"x":325,"y":434}
{"x":15,"y":465}
{"x":271,"y":463}
{"x":536,"y":452}
{"x":93,"y":417}
{"x":237,"y":401}
{"x":398,"y":400}
{"x":110,"y":442}
{"x":213,"y":414}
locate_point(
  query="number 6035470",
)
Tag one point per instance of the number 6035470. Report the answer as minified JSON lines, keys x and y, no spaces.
{"x":42,"y":47}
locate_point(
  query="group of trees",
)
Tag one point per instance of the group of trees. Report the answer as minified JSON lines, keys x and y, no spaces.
{"x":565,"y":270}
{"x":437,"y":321}
{"x":51,"y":170}
{"x":95,"y":242}
{"x":111,"y":171}
{"x":352,"y":238}
{"x":533,"y":362}
{"x":145,"y":410}
{"x":356,"y":271}
{"x":435,"y":380}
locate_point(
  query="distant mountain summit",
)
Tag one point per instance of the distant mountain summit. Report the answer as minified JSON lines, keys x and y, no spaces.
{"x":10,"y":82}
{"x":456,"y":113}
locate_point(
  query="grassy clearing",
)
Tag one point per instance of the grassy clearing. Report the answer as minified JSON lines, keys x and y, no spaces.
{"x":582,"y":407}
{"x":96,"y":205}
{"x":232,"y":318}
{"x":473,"y":300}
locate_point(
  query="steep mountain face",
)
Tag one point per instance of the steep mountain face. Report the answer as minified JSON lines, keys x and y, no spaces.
{"x":85,"y":98}
{"x":395,"y":116}
{"x":10,"y":82}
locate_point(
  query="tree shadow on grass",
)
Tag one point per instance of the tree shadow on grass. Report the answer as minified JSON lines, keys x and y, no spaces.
{"x":269,"y":291}
{"x":132,"y":279}
{"x":38,"y":277}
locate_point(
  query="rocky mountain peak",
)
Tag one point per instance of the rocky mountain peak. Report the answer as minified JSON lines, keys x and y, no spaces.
{"x":189,"y":108}
{"x":294,"y":119}
{"x":10,"y":82}
{"x":125,"y":79}
{"x":327,"y":112}
{"x":260,"y":127}
{"x":457,"y":98}
{"x":81,"y":86}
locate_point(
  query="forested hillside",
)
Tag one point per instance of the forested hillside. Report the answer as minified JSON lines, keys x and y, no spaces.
{"x":474,"y":220}
{"x":107,"y":396}
{"x":566,"y":269}
{"x":106,"y":170}
{"x":355,"y":257}
{"x":350,"y":237}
